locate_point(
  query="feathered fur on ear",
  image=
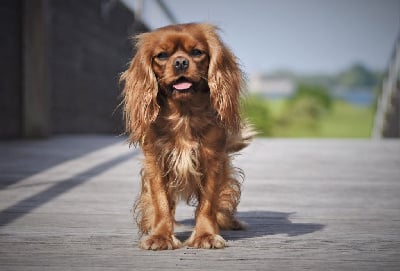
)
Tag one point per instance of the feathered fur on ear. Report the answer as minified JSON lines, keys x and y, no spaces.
{"x":140,"y":92}
{"x":225,"y":81}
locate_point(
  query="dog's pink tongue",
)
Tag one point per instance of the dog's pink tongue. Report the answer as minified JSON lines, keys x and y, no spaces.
{"x":182,"y":86}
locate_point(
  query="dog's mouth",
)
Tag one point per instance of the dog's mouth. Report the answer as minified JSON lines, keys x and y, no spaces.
{"x":182,"y":86}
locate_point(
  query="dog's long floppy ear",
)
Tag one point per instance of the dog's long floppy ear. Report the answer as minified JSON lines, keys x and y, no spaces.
{"x":140,"y":91}
{"x":225,"y":80}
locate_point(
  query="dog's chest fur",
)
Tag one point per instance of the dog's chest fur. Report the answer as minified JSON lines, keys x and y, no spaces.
{"x":183,"y":141}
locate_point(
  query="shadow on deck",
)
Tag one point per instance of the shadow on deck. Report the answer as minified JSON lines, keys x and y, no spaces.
{"x":260,"y":224}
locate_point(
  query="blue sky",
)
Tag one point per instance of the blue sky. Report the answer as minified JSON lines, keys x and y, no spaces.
{"x":307,"y":36}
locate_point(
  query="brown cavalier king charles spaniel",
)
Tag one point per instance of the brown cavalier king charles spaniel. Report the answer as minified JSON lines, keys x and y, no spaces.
{"x":181,"y":104}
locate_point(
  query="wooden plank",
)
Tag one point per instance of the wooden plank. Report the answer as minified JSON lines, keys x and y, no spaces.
{"x":309,"y":204}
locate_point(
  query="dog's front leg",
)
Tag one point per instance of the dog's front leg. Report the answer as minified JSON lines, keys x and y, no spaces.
{"x":206,"y":231}
{"x":161,"y":235}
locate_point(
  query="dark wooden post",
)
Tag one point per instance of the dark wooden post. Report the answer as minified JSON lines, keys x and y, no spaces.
{"x":36,"y":85}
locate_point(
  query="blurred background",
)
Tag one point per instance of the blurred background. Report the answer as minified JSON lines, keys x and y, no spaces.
{"x":315,"y":68}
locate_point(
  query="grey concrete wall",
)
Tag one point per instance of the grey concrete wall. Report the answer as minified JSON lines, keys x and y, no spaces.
{"x":86,"y":46}
{"x":89,"y":49}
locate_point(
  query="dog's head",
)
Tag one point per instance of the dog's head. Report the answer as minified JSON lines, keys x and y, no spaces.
{"x":178,"y":62}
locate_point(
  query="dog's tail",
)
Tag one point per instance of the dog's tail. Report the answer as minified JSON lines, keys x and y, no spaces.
{"x":239,"y":141}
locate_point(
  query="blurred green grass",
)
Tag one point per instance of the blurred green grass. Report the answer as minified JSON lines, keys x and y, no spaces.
{"x":343,"y":120}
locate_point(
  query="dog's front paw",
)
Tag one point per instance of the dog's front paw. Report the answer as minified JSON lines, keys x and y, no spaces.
{"x":160,"y":242}
{"x":206,"y":241}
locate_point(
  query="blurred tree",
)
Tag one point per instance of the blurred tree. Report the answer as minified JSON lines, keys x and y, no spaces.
{"x":319,"y":94}
{"x":306,"y":107}
{"x":356,"y":76}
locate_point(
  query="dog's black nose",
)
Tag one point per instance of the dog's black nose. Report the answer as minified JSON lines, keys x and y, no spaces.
{"x":181,"y":64}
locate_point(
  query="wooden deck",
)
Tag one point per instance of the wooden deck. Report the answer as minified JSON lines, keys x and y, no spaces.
{"x":310,"y":204}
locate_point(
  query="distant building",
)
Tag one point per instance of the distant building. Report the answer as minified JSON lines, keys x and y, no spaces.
{"x":271,"y":86}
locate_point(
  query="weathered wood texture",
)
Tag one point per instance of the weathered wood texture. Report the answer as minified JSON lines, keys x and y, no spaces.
{"x":310,"y":204}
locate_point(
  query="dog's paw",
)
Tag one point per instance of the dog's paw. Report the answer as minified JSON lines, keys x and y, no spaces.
{"x":160,"y":242}
{"x":206,"y":241}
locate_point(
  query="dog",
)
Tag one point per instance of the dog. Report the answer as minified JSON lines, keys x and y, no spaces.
{"x":181,"y":100}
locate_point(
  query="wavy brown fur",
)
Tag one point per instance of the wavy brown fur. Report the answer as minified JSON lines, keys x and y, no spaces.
{"x":187,"y":136}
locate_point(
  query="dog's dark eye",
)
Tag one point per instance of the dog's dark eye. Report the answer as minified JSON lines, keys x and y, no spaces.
{"x":196,"y":52}
{"x":162,"y":56}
